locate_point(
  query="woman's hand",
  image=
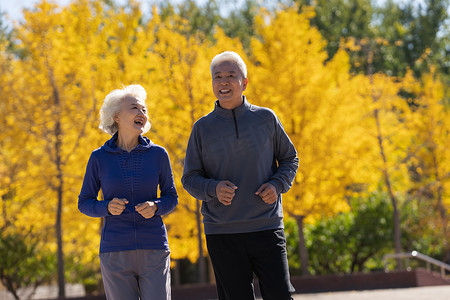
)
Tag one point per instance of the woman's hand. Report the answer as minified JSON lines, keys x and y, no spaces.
{"x":116,"y":206}
{"x":147,"y":209}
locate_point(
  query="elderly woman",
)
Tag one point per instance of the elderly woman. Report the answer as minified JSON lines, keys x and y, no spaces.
{"x":129,"y":168}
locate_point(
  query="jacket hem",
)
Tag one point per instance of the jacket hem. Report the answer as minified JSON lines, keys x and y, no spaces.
{"x":118,"y":249}
{"x":243,"y":227}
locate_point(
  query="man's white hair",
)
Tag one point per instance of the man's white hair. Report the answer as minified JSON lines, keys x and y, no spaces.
{"x":112,"y":105}
{"x":229,"y":56}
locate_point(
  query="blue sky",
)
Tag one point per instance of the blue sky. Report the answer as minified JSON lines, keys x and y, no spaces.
{"x":13,"y":8}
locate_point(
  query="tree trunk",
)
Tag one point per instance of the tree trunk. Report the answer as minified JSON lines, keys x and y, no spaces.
{"x":58,"y":224}
{"x":211,"y":274}
{"x":302,"y":251}
{"x":59,"y":188}
{"x":201,"y":258}
{"x":386,"y":175}
{"x":60,"y":255}
{"x":176,"y":274}
{"x":387,"y":181}
{"x":441,"y":207}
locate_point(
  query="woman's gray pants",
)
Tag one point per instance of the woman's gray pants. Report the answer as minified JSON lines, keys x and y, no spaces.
{"x":136,"y":274}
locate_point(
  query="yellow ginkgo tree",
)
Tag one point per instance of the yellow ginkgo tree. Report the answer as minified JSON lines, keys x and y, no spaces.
{"x":178,"y":98}
{"x":430,"y":154}
{"x":69,"y":63}
{"x":354,"y":133}
{"x":318,"y":104}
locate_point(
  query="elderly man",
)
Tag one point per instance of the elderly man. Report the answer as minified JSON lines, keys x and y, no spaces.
{"x":238,"y":161}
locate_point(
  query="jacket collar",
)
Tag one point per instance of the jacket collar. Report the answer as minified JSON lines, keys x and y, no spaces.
{"x":111,"y":144}
{"x":228,"y":113}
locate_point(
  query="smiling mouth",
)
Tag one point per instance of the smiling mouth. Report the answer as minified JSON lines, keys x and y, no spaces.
{"x":139,"y":122}
{"x":227,"y":91}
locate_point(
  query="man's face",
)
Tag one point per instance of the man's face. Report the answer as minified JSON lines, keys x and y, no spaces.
{"x":228,"y":84}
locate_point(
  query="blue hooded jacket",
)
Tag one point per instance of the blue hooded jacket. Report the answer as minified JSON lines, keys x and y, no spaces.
{"x":135,"y":176}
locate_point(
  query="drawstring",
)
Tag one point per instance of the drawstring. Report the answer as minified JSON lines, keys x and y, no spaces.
{"x":235,"y":124}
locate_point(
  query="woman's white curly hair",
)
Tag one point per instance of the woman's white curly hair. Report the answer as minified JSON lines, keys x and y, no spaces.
{"x":112,"y":104}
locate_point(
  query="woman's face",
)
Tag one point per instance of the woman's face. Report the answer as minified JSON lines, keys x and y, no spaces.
{"x":132,"y":116}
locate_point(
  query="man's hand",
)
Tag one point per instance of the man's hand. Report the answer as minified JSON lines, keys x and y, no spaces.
{"x":268,"y":193}
{"x":225,"y":191}
{"x":116,"y":206}
{"x":147,"y":209}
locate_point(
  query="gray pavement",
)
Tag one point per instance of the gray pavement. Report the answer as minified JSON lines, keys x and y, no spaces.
{"x":417,"y":293}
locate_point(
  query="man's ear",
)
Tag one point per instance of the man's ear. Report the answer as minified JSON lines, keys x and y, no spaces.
{"x":244,"y":84}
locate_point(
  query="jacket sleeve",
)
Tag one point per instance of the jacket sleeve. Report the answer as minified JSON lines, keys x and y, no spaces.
{"x":168,"y":198}
{"x":286,"y":157}
{"x":88,"y":203}
{"x":194,"y":179}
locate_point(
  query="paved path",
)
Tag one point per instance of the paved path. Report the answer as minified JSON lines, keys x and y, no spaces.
{"x":418,"y":293}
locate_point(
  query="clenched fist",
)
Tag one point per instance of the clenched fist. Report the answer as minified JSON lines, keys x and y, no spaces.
{"x":147,"y":209}
{"x":116,"y":206}
{"x":268,"y":193}
{"x":225,"y":191}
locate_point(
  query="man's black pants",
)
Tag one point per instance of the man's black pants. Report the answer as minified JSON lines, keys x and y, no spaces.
{"x":235,"y":257}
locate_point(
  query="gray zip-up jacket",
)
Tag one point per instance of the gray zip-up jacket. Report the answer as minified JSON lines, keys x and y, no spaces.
{"x":249,"y":147}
